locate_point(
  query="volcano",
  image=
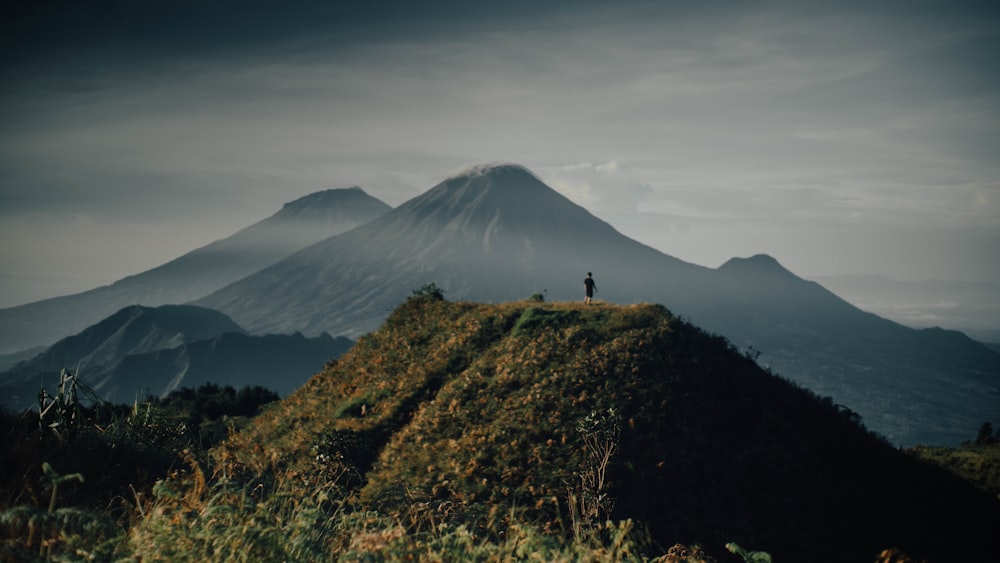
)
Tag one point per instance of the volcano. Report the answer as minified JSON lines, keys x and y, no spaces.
{"x":492,"y":233}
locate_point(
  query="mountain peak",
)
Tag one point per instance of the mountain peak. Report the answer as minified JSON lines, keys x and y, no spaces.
{"x":756,"y":264}
{"x":323,"y":195}
{"x":298,"y":224}
{"x":495,"y":195}
{"x":334,"y":204}
{"x":490,"y":169}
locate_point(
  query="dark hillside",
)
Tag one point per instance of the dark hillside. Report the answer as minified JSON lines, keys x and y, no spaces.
{"x":464,"y":412}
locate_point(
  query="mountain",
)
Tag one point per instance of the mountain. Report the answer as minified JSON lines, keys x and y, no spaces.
{"x":279,"y":362}
{"x":972,"y":307}
{"x":142,"y":351}
{"x":196,"y":274}
{"x":8,"y":360}
{"x":476,"y":415}
{"x":496,"y":233}
{"x":132,"y":330}
{"x":929,"y":386}
{"x":492,"y":233}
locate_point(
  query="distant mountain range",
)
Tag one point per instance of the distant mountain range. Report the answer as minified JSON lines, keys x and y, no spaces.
{"x":195,"y":274}
{"x":142,"y":351}
{"x":972,"y":307}
{"x":497,"y":233}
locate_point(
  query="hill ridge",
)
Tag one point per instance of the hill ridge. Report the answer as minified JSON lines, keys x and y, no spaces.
{"x":454,"y":409}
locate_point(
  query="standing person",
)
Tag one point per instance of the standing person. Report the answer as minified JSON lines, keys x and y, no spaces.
{"x":590,"y":286}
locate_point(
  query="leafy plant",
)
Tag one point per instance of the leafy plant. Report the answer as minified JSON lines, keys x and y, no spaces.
{"x":428,"y":291}
{"x":55,"y":479}
{"x":55,"y":533}
{"x":589,"y":501}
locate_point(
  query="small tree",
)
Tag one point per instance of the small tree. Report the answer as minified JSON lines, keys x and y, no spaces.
{"x":985,"y":435}
{"x":589,"y":502}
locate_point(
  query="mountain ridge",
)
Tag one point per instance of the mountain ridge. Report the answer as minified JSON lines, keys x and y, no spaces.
{"x":196,"y":273}
{"x":141,"y":351}
{"x":969,"y":306}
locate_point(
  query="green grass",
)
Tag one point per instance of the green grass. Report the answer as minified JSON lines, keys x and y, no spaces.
{"x":977,"y":463}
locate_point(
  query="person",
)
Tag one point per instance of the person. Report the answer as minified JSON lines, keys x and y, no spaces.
{"x":590,"y":286}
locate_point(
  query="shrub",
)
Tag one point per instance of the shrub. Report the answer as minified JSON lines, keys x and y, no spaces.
{"x":428,"y":291}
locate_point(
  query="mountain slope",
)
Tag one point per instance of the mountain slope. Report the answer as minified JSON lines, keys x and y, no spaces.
{"x":132,"y":330}
{"x":278,"y":362}
{"x":928,"y":385}
{"x":298,"y":224}
{"x":495,"y":233}
{"x":970,"y":307}
{"x":457,"y":412}
{"x":492,"y":233}
{"x":142,"y":351}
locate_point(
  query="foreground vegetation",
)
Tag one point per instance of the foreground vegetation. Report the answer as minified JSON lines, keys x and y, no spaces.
{"x":519,"y":431}
{"x":189,"y":514}
{"x":978,"y":462}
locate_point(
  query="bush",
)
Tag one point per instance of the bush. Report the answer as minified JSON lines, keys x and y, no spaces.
{"x":428,"y":291}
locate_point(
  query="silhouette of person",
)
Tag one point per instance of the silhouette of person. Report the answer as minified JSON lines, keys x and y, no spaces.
{"x":590,"y":286}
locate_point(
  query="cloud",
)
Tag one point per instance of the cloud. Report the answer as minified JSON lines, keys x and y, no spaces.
{"x":710,"y":128}
{"x":602,"y":187}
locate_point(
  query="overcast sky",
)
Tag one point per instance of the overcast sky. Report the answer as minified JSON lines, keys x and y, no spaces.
{"x":852,"y":137}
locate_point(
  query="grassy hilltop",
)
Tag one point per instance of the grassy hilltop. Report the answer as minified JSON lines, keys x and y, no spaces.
{"x":464,"y":413}
{"x":465,"y":431}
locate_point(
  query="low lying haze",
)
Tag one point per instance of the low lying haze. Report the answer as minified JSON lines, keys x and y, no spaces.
{"x":844,"y":138}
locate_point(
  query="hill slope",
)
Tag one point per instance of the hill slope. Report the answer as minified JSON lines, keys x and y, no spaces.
{"x":496,"y":233}
{"x":458,"y":412}
{"x":298,"y":224}
{"x":132,"y":330}
{"x":279,"y":362}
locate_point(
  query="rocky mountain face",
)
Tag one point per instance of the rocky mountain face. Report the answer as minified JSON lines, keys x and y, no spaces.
{"x":196,"y":274}
{"x":143,"y":351}
{"x":497,"y":233}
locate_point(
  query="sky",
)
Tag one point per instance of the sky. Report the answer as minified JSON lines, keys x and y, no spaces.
{"x":840,"y":137}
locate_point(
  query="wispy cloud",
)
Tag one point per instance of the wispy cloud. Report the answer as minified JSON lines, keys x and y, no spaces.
{"x":707,"y":129}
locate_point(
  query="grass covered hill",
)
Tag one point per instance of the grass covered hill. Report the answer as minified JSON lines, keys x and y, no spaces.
{"x":468,"y":413}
